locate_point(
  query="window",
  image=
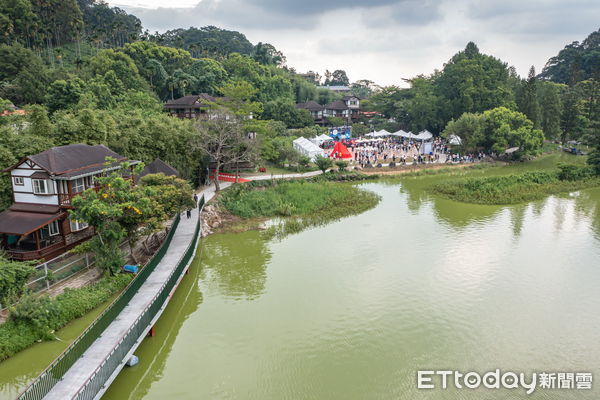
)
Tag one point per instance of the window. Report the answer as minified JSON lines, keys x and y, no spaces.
{"x":77,"y":225}
{"x":18,"y":180}
{"x":50,"y":230}
{"x":77,"y":185}
{"x":42,"y":186}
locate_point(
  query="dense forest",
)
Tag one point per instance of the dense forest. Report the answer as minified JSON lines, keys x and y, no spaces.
{"x":87,"y":72}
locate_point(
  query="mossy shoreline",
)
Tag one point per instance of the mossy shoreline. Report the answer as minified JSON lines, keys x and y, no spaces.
{"x":293,"y":205}
{"x":517,"y":188}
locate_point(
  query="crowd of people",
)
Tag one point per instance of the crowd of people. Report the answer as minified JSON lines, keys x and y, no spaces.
{"x":401,"y":151}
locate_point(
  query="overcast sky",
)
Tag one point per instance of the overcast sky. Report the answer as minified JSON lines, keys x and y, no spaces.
{"x":385,"y":40}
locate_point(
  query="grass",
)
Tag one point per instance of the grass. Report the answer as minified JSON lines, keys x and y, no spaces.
{"x":301,"y":203}
{"x":517,"y":188}
{"x":18,"y":334}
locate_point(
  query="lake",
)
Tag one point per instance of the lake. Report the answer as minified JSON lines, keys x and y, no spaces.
{"x":353,"y":309}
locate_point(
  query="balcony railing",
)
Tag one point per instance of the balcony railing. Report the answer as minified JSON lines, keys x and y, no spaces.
{"x":23,"y":254}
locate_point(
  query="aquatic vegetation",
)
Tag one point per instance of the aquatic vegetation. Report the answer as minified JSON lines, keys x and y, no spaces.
{"x":301,"y":203}
{"x":517,"y":188}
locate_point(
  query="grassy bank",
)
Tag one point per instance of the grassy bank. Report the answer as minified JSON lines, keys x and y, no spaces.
{"x":303,"y":203}
{"x":517,"y":188}
{"x":35,"y":319}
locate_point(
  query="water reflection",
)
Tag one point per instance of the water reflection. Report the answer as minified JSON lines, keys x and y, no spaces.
{"x":235,"y":264}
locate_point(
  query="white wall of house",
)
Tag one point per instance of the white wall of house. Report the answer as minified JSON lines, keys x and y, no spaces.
{"x":24,"y":193}
{"x":353,"y":103}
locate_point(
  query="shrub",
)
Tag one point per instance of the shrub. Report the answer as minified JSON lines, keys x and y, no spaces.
{"x":42,"y":313}
{"x":572,"y":172}
{"x":13,"y":277}
{"x":341,"y":164}
{"x":34,"y":318}
{"x":323,"y":163}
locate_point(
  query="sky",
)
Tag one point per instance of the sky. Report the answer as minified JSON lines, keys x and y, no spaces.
{"x":385,"y":40}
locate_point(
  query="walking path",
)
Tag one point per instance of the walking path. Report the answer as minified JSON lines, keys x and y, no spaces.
{"x":85,"y":367}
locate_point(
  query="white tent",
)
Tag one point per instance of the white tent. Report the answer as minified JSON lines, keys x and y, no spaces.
{"x":318,"y":140}
{"x":455,"y":140}
{"x":424,"y":135}
{"x":400,"y":133}
{"x":305,"y":147}
{"x":380,"y":133}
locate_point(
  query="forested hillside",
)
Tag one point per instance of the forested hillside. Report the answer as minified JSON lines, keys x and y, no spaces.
{"x":86,"y":72}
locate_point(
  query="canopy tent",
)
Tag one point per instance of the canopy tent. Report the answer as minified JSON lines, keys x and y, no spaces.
{"x":455,"y":140}
{"x":380,"y":133}
{"x":319,"y":140}
{"x":340,"y":151}
{"x":305,"y":147}
{"x":424,"y":135}
{"x":400,"y":133}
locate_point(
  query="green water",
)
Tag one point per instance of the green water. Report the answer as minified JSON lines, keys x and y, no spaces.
{"x":353,"y":309}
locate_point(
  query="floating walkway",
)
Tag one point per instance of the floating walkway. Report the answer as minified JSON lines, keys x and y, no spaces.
{"x":88,"y":366}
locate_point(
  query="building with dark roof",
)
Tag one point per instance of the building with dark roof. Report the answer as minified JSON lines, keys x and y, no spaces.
{"x":192,"y":106}
{"x":158,"y":166}
{"x":37,"y":224}
{"x":347,"y":108}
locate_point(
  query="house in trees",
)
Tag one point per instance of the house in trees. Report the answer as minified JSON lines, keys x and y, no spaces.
{"x":37,"y":224}
{"x":315,"y":109}
{"x":192,"y":106}
{"x":158,"y":166}
{"x":347,"y":108}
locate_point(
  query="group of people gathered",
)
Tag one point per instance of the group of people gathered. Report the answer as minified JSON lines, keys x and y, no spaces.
{"x":402,"y":151}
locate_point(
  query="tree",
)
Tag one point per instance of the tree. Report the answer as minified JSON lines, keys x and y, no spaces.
{"x":503,"y":128}
{"x":323,"y":163}
{"x":64,"y":94}
{"x":121,"y":65}
{"x":468,"y":128}
{"x":267,"y":54}
{"x":338,"y":78}
{"x":26,"y":74}
{"x":576,"y":60}
{"x":363,"y":88}
{"x":238,"y":97}
{"x":208,"y":75}
{"x":115,"y":211}
{"x":287,"y":113}
{"x":472,"y":82}
{"x":528,"y":100}
{"x":223,"y":139}
{"x":550,"y":109}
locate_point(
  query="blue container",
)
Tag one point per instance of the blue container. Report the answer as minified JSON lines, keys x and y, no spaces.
{"x":131,"y":268}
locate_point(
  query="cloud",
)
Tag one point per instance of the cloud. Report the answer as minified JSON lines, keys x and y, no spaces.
{"x":383,"y":40}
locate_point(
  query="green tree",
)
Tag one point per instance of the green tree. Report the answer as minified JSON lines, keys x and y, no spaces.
{"x":120,"y":64}
{"x":472,"y":82}
{"x":323,"y":163}
{"x":528,"y":100}
{"x":115,"y":211}
{"x":503,"y":128}
{"x":238,"y":97}
{"x":550,"y":109}
{"x":468,"y":128}
{"x":63,"y":94}
{"x":208,"y":75}
{"x":288,"y":114}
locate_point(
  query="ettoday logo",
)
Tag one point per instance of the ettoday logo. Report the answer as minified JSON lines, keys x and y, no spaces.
{"x":504,"y":380}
